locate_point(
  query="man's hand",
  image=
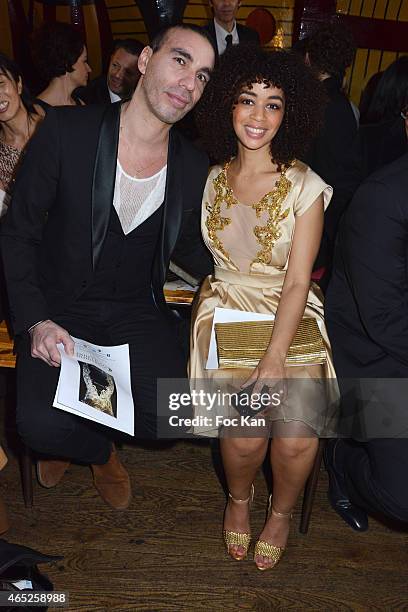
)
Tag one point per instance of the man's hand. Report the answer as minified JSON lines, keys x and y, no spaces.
{"x":44,"y":339}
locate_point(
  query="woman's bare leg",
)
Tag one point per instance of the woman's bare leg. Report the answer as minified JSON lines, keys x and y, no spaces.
{"x":241,"y":458}
{"x":291,"y":461}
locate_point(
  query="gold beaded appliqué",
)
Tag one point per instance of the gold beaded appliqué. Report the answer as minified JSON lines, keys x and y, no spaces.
{"x":271,"y":202}
{"x":215,"y":222}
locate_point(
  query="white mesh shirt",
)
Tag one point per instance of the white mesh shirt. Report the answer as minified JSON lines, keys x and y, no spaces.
{"x":135,"y":200}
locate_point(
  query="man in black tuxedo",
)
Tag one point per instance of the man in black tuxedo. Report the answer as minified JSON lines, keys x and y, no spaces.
{"x":367,"y":319}
{"x":224,"y":30}
{"x":105,"y":196}
{"x":121,"y":78}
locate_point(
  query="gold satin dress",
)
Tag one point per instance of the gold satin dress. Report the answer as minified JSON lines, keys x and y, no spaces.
{"x":251,"y":245}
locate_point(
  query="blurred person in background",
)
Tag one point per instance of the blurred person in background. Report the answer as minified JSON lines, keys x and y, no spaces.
{"x":121,"y":78}
{"x":367,"y":96}
{"x":224,"y":29}
{"x":61,"y":59}
{"x":385,"y":137}
{"x":19,"y":119}
{"x":330,"y":50}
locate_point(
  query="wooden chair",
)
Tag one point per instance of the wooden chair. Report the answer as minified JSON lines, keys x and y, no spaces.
{"x":8,"y":360}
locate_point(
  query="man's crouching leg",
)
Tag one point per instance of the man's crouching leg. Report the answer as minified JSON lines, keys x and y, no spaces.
{"x":62,"y":437}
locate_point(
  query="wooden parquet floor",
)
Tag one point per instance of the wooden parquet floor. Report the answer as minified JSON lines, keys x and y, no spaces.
{"x":165,"y":553}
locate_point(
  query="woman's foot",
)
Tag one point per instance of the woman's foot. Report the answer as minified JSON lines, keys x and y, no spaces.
{"x":273,"y":539}
{"x":237,"y":536}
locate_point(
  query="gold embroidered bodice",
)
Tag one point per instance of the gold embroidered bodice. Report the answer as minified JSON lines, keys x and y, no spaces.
{"x":258,"y":238}
{"x":270,"y":209}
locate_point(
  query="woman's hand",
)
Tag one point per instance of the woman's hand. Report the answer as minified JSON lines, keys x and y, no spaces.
{"x":270,"y":372}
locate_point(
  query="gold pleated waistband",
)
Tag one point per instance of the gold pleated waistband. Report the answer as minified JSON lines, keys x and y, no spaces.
{"x":260,"y":281}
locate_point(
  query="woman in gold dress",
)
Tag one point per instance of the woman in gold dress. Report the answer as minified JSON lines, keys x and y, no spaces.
{"x":262,"y":219}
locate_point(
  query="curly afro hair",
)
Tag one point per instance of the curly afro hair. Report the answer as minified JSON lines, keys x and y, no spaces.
{"x":331,"y":49}
{"x":241,"y":66}
{"x":56,"y":47}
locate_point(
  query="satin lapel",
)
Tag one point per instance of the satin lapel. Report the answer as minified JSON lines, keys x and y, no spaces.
{"x":104,"y":178}
{"x":173,"y":202}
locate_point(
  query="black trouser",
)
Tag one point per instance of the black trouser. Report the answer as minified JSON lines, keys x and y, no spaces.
{"x":377,"y":476}
{"x":154,"y":353}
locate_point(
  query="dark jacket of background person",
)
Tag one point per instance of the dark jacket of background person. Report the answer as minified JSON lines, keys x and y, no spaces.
{"x":70,"y":166}
{"x":366,"y":313}
{"x":381,"y":144}
{"x":367,"y":96}
{"x":96,"y":92}
{"x":247,"y":35}
{"x":334,"y":157}
{"x":366,"y":306}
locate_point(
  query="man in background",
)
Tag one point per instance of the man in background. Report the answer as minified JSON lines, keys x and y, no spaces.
{"x":366,"y":312}
{"x":122,"y":77}
{"x":224,"y":29}
{"x":333,"y":155}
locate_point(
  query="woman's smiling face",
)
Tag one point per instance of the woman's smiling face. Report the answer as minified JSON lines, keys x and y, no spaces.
{"x":10,"y":101}
{"x":257,"y":115}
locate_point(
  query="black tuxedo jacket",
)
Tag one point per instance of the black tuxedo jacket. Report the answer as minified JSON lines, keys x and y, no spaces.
{"x":366,"y":303}
{"x":53,"y":233}
{"x":96,"y":92}
{"x":245,"y":34}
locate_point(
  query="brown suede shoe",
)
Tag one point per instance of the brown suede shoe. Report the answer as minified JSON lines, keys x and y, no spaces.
{"x":4,"y":522}
{"x":50,"y":471}
{"x":112,"y":482}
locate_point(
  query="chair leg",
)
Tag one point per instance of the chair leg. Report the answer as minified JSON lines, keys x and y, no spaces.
{"x":26,"y":476}
{"x":310,"y":489}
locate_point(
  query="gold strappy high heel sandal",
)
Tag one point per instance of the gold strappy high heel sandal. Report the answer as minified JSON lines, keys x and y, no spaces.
{"x":235,"y":538}
{"x":264,"y":549}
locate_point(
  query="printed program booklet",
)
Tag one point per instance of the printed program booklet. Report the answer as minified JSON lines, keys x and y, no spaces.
{"x":95,"y":384}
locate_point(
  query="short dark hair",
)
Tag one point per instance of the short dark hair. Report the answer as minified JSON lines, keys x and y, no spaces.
{"x":158,"y":40}
{"x":56,"y":47}
{"x":331,"y":49}
{"x":130,"y":45}
{"x":10,"y":69}
{"x":242,"y":65}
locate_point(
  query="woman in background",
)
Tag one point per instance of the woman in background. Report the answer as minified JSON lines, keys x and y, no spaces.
{"x":262,"y":219}
{"x":19,"y":119}
{"x":61,"y":59}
